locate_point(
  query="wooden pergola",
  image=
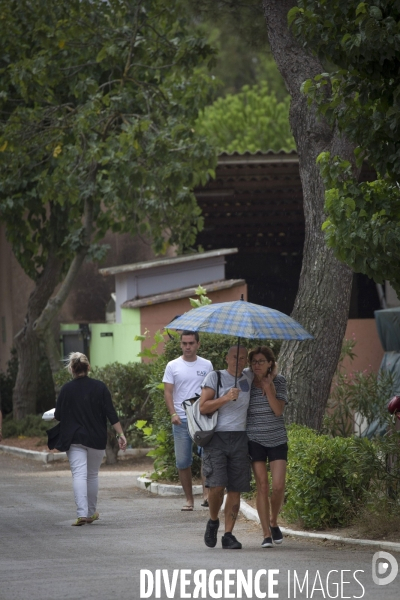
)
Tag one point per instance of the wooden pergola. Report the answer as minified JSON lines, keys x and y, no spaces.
{"x":255,"y":204}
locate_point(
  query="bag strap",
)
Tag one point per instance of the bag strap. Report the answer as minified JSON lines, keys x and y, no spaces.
{"x":219,"y":384}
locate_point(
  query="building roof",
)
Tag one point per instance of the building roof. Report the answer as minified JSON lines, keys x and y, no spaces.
{"x":182,"y":293}
{"x":161,"y":262}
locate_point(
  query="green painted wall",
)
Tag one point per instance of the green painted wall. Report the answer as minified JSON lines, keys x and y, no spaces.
{"x":118,"y":347}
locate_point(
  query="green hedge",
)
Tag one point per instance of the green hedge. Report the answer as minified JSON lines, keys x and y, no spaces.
{"x":327,"y":478}
{"x":30,"y":426}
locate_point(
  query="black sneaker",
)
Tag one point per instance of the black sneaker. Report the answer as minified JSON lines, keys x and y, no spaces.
{"x":229,"y":542}
{"x":210,"y":536}
{"x":267,"y":543}
{"x":276,"y":535}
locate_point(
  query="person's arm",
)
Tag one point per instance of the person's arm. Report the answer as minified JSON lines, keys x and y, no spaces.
{"x":169,"y":401}
{"x":208,"y":402}
{"x":120,"y":435}
{"x":277,"y":404}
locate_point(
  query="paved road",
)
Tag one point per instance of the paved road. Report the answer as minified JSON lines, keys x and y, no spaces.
{"x":43,"y":558}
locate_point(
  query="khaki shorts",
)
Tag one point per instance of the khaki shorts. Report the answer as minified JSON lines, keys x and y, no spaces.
{"x":226,"y":461}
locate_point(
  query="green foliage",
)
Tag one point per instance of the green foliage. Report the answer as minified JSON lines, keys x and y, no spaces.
{"x":363,"y":221}
{"x":127,"y":384}
{"x":162,"y":452}
{"x":361,"y":94}
{"x":359,"y":398}
{"x":249,"y":121}
{"x":326,"y":478}
{"x":30,"y":426}
{"x":98,"y":101}
{"x":331,"y":480}
{"x":203,"y":299}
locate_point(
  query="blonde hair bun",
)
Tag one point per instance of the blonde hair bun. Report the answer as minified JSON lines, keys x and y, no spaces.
{"x":77,"y":363}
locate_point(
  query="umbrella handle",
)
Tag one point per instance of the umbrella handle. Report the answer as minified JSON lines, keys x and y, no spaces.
{"x":237,"y":361}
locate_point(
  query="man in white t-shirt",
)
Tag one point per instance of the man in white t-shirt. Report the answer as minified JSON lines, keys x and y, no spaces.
{"x":182,"y":380}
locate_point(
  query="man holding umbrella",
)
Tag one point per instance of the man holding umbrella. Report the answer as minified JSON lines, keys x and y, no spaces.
{"x":226,"y":461}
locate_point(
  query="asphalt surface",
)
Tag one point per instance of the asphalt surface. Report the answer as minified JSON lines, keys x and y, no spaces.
{"x":43,"y":558}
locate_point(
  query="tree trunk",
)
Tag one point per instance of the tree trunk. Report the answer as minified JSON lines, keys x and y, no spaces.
{"x":322,"y":301}
{"x":27,"y":342}
{"x":112,"y":447}
{"x":42,"y":309}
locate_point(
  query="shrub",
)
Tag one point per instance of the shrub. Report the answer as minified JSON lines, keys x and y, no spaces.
{"x":356,"y":400}
{"x":30,"y":426}
{"x":327,"y":478}
{"x":128,"y":386}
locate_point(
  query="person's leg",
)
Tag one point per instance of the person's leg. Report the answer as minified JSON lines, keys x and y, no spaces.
{"x":205,"y":489}
{"x":215,"y":499}
{"x":77,"y":456}
{"x":185,"y":477}
{"x":183,"y":455}
{"x":94,"y":460}
{"x":262,"y":500}
{"x":232,"y":505}
{"x":278,"y":473}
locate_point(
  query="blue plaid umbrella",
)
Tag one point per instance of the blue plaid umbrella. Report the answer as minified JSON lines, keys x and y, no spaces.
{"x":241,"y":319}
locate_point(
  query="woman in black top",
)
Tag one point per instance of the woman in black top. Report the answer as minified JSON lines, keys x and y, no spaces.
{"x":83,"y":407}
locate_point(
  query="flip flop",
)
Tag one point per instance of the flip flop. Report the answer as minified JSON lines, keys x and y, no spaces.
{"x":94,"y":517}
{"x":80,"y":521}
{"x":187,"y":508}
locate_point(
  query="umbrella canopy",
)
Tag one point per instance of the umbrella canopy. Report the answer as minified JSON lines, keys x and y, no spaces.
{"x":242,"y":319}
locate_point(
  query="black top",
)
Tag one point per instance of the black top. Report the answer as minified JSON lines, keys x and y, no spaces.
{"x":83,"y":406}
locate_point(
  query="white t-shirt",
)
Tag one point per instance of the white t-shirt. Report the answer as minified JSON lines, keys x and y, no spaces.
{"x":186,"y":377}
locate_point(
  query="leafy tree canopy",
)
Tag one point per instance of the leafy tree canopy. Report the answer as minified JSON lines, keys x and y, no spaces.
{"x":97,"y":105}
{"x":249,"y":121}
{"x":237,"y":30}
{"x":361,"y":94}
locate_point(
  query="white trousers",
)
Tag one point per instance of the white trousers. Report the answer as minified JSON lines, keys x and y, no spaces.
{"x":85,"y":464}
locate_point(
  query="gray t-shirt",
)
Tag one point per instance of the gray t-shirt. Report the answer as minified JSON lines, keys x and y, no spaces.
{"x":231,"y":416}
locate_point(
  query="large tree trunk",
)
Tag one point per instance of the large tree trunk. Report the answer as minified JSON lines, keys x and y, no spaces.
{"x":322,"y":301}
{"x":42,"y":308}
{"x":27,"y":342}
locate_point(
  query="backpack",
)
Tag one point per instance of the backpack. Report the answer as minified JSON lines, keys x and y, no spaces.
{"x":201,"y":427}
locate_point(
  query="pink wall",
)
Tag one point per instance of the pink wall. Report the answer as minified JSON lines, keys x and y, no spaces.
{"x":156,"y":316}
{"x":368,"y":347}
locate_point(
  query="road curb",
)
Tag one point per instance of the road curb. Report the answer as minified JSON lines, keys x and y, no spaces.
{"x":165,"y":489}
{"x":47,"y":457}
{"x":44,"y":457}
{"x":251,"y":514}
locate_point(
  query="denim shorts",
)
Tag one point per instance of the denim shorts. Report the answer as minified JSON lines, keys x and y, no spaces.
{"x":183,"y":445}
{"x":226,"y":461}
